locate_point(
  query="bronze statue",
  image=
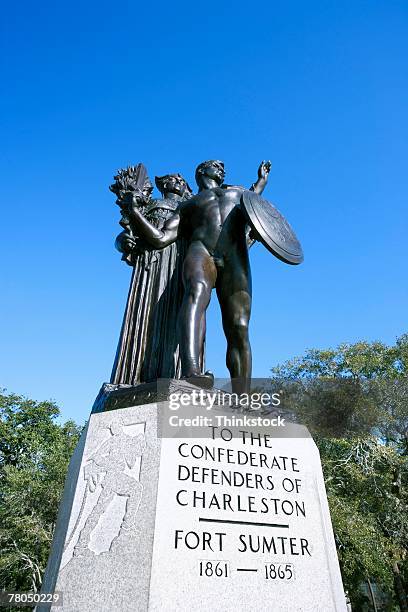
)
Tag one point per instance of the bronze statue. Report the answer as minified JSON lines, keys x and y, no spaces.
{"x":182,"y":247}
{"x":215,"y":226}
{"x":148,"y":345}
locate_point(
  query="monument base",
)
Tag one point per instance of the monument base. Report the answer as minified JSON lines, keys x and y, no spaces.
{"x":220,"y":522}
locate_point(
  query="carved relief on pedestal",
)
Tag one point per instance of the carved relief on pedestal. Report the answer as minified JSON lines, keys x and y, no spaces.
{"x":111,"y":492}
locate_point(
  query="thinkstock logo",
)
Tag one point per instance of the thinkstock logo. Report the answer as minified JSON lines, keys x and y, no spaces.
{"x":222,"y":420}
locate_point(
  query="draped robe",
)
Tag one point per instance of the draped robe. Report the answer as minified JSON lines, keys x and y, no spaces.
{"x":148,"y":346}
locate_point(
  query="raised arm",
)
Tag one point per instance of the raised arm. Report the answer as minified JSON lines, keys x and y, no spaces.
{"x":157,"y":238}
{"x":263,"y":173}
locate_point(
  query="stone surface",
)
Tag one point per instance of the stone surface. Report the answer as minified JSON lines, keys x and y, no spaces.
{"x":110,"y":569}
{"x":169,"y":524}
{"x":184,"y":538}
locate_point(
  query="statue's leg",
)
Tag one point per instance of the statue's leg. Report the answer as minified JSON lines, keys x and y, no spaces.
{"x":103,"y":502}
{"x":132,"y":506}
{"x":203,"y":331}
{"x":199,"y":275}
{"x":234,"y":293}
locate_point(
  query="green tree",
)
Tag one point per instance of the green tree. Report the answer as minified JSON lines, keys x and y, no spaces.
{"x":354,"y":401}
{"x":34,"y":454}
{"x":367,"y":486}
{"x":359,"y":388}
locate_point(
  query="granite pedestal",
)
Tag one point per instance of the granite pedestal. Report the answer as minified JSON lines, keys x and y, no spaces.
{"x":193,"y":523}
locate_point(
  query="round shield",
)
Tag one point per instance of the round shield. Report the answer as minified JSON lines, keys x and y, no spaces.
{"x":271,"y":228}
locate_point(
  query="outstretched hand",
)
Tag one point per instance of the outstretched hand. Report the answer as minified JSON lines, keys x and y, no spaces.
{"x":264,"y":169}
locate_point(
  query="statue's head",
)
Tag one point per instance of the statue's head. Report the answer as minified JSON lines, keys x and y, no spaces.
{"x":173,"y":183}
{"x":212,"y":169}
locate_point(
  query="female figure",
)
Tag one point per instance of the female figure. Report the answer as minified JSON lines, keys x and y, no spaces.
{"x":148,"y":345}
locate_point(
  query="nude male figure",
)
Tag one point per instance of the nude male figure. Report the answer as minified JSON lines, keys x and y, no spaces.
{"x":217,"y":257}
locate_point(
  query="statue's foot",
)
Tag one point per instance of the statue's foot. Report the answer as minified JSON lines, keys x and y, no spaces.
{"x":205,"y":381}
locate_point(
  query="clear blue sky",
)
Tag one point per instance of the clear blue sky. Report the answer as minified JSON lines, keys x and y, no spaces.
{"x":320,"y":88}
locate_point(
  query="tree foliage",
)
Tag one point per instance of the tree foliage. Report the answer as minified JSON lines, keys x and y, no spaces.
{"x":34,"y":454}
{"x":367,"y":490}
{"x":354,"y":400}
